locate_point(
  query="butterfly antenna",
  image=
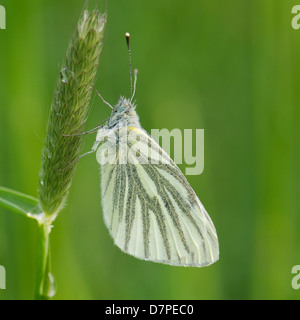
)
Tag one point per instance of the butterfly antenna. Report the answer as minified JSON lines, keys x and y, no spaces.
{"x":127,"y":35}
{"x":134,"y":85}
{"x":104,"y":101}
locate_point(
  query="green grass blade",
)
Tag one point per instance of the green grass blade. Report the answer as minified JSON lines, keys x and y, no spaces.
{"x":20,"y":203}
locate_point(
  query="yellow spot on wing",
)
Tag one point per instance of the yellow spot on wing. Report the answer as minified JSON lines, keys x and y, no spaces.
{"x":133,"y":128}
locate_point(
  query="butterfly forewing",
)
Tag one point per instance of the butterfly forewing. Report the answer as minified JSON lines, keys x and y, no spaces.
{"x":149,"y":207}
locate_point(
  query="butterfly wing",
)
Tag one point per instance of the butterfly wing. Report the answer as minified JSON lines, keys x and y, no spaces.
{"x":151,"y":210}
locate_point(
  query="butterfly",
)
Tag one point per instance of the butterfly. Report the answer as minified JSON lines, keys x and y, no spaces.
{"x":149,"y":208}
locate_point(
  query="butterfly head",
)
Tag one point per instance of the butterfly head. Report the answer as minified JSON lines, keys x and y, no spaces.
{"x":124,"y":112}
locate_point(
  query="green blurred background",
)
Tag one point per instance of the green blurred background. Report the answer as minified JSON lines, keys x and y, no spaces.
{"x":231,"y":67}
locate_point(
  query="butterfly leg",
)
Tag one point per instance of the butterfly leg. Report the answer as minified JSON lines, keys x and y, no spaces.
{"x":93,"y":150}
{"x":99,"y":126}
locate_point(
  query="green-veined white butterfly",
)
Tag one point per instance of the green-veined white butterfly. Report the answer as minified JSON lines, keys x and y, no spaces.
{"x":149,"y":207}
